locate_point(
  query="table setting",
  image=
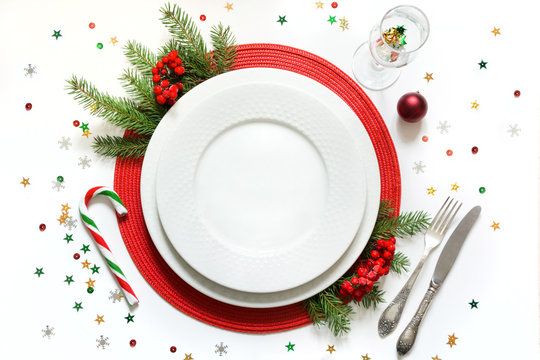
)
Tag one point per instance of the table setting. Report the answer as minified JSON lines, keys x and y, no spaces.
{"x":261,"y":180}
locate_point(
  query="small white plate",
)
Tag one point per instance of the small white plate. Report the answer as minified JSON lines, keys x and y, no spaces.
{"x":180,"y":266}
{"x":261,"y":187}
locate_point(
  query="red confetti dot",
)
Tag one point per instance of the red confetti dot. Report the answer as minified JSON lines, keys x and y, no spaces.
{"x":76,"y":256}
{"x":449,"y":152}
{"x":425,"y":138}
{"x":202,"y":17}
{"x":42,"y":227}
{"x":517,"y":93}
{"x":91,"y":25}
{"x":334,"y":4}
{"x":132,"y":342}
{"x":76,"y":123}
{"x":474,"y":149}
{"x":173,"y":349}
{"x":28,"y":106}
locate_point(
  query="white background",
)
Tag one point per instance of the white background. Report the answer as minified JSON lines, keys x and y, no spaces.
{"x":497,"y":268}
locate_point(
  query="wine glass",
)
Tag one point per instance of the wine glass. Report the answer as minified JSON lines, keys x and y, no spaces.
{"x":392,"y":43}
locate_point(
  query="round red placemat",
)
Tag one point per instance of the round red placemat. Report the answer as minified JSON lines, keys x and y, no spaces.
{"x":165,"y":281}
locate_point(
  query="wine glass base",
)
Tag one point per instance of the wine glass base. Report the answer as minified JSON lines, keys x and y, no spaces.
{"x":370,"y":74}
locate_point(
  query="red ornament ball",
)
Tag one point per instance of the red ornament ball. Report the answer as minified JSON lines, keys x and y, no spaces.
{"x":91,"y":25}
{"x":173,"y":349}
{"x":76,"y":123}
{"x":334,"y":4}
{"x":132,"y":342}
{"x":202,"y":17}
{"x":76,"y":256}
{"x":28,"y":106}
{"x":517,"y":93}
{"x":412,"y":107}
{"x":449,"y":152}
{"x":42,"y":227}
{"x":474,"y":150}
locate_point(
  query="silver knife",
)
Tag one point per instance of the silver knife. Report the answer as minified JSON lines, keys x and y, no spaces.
{"x":446,"y":260}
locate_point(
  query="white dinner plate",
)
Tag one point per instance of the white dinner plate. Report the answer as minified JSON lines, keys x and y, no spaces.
{"x":261,"y":188}
{"x":177,"y":114}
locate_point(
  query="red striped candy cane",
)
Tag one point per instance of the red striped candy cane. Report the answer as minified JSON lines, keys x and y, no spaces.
{"x":102,"y":245}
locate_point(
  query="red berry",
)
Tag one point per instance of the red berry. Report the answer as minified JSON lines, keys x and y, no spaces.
{"x":76,"y":123}
{"x":159,"y":64}
{"x":377,"y":269}
{"x":173,"y":54}
{"x":28,"y":106}
{"x":392,"y":240}
{"x":163,"y":71}
{"x":355,"y":280}
{"x":346,"y":284}
{"x":42,"y":227}
{"x":180,"y":86}
{"x":372,"y":276}
{"x":386,"y":270}
{"x":157,"y":90}
{"x":375,"y":254}
{"x":173,"y":349}
{"x":76,"y":256}
{"x":160,"y":99}
{"x":362,"y":272}
{"x":155,"y":70}
{"x":156,"y":78}
{"x":391,"y":247}
{"x":165,"y":83}
{"x":179,"y":70}
{"x":171,"y":64}
{"x":170,"y":101}
{"x":387,"y":255}
{"x":362,"y":281}
{"x":380,"y":243}
{"x":165,"y":60}
{"x":165,"y":94}
{"x":132,"y":342}
{"x":380,"y":262}
{"x":174,"y":88}
{"x":357,"y":294}
{"x":173,"y":94}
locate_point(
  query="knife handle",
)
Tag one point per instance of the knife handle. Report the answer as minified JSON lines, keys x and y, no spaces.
{"x":406,"y":340}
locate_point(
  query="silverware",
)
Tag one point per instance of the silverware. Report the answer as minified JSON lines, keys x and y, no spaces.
{"x":433,"y":237}
{"x":446,"y":260}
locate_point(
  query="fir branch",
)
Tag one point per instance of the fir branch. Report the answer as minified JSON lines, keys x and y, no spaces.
{"x":405,"y":224}
{"x":400,"y":263}
{"x":142,"y":58}
{"x":373,"y":298}
{"x":140,"y":89}
{"x":326,"y":308}
{"x":192,"y":76}
{"x":116,"y":146}
{"x":117,"y":111}
{"x":191,"y":43}
{"x":224,"y":53}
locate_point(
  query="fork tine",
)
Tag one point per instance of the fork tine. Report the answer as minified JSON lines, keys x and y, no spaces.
{"x":436,"y":218}
{"x":450,"y":218}
{"x":444,"y":216}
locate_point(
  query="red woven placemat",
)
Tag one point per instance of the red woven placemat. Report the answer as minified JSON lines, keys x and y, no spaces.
{"x":165,"y":281}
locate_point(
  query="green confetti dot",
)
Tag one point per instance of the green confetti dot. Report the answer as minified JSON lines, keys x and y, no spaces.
{"x":99,"y":45}
{"x":90,"y":290}
{"x":60,"y":179}
{"x":482,"y":190}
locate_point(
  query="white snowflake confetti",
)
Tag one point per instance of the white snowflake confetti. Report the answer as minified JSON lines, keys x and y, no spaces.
{"x":48,"y":331}
{"x":102,"y":342}
{"x":418,"y":167}
{"x":221,"y":349}
{"x":71,"y":223}
{"x":115,"y":296}
{"x":65,"y":143}
{"x":57,"y":185}
{"x":514,"y":130}
{"x":84,"y":162}
{"x":443,"y":127}
{"x":30,"y":70}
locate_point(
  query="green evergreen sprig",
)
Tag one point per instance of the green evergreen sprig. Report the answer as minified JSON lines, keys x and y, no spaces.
{"x":327,"y":309}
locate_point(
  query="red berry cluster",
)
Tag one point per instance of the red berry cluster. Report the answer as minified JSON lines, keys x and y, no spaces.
{"x":165,"y":70}
{"x":369,"y":271}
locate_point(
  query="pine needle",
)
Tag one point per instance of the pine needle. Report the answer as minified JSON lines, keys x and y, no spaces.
{"x":326,"y":308}
{"x":116,"y":146}
{"x":400,"y":263}
{"x":142,"y":58}
{"x":224,"y":53}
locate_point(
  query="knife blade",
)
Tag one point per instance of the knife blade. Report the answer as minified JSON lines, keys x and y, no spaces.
{"x":444,"y":264}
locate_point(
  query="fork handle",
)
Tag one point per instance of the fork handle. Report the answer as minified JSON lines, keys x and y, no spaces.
{"x":391,"y":315}
{"x":408,"y":336}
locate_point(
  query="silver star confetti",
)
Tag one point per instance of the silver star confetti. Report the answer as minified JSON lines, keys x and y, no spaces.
{"x":514,"y":130}
{"x":418,"y":167}
{"x":64,"y":143}
{"x":443,"y":127}
{"x":48,"y":331}
{"x":57,"y":185}
{"x":71,"y":223}
{"x":30,"y":70}
{"x":115,"y":296}
{"x":84,"y":162}
{"x":102,"y":342}
{"x":221,"y":349}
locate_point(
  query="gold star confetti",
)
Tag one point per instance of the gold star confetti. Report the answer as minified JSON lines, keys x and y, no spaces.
{"x":188,"y":357}
{"x":331,"y":349}
{"x":90,"y":282}
{"x":436,"y":357}
{"x":496,"y":31}
{"x":25,"y":181}
{"x":428,"y":77}
{"x":86,"y":264}
{"x":86,"y":133}
{"x":452,"y":340}
{"x":495,"y":226}
{"x":454,"y":187}
{"x":62,"y":219}
{"x":319,"y":4}
{"x":474,"y":105}
{"x":99,"y":319}
{"x":65,"y":208}
{"x":344,"y":24}
{"x":431,"y":191}
{"x":366,"y":357}
{"x":229,"y":7}
{"x":113,"y":40}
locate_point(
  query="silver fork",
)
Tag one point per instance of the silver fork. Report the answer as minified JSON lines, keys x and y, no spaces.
{"x":433,"y":237}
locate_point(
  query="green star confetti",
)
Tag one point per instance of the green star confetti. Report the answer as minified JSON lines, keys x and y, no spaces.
{"x":84,"y":127}
{"x":95,"y":269}
{"x":332,"y":20}
{"x":39,"y":272}
{"x":56,"y":34}
{"x":78,"y":306}
{"x":290,"y":347}
{"x":85,"y":248}
{"x":129,"y":318}
{"x":482,"y":64}
{"x":69,"y":238}
{"x":69,"y":279}
{"x":282,"y":20}
{"x":474,"y":304}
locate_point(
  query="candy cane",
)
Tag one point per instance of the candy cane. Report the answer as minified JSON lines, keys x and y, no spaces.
{"x":102,"y":245}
